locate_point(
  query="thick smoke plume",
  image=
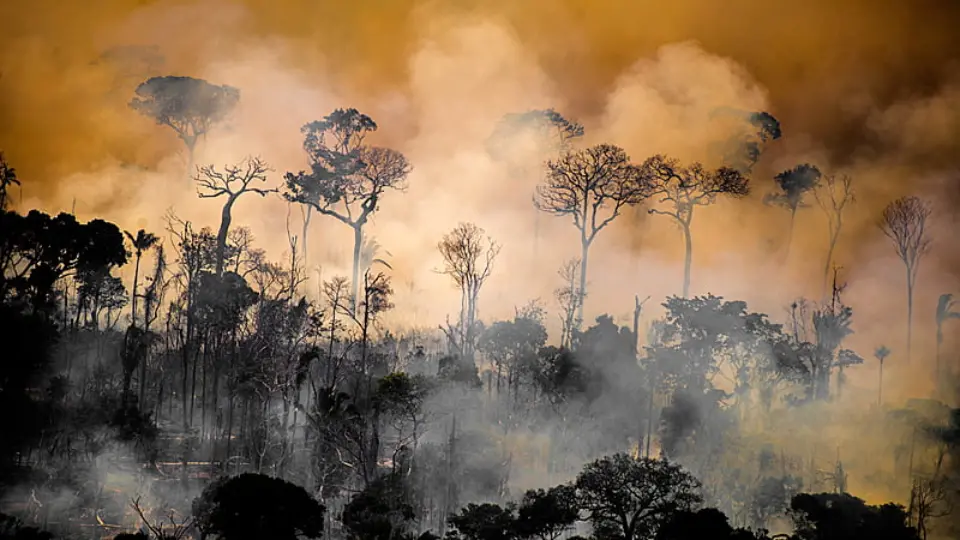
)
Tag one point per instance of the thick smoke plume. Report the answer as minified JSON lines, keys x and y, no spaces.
{"x":870,"y":89}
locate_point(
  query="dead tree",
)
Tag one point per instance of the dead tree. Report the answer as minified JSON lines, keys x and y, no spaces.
{"x":232,"y":182}
{"x":468,"y":260}
{"x":904,"y":222}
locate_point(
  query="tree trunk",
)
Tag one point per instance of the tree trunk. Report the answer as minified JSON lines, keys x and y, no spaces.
{"x":225,"y":219}
{"x":355,"y":284}
{"x":793,"y":218}
{"x":687,"y":259}
{"x":909,"y":312}
{"x":826,"y":265}
{"x":133,"y":296}
{"x":306,"y":227}
{"x":584,"y":253}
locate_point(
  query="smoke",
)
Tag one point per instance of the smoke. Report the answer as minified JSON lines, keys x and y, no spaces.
{"x":866,"y":88}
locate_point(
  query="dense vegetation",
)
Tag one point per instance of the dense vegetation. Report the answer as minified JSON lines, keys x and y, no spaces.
{"x":214,"y":396}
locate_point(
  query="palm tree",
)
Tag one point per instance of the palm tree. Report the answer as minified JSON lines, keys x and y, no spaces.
{"x":881,"y":353}
{"x":142,"y":242}
{"x":944,"y":313}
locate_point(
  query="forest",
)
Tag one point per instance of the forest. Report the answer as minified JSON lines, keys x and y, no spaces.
{"x":177,"y":406}
{"x":181,"y":379}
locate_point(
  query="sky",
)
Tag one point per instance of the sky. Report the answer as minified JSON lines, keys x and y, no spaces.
{"x":865,"y":88}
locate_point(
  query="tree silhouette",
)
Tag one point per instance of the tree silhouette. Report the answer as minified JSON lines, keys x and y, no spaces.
{"x":547,"y":514}
{"x":792,"y":185}
{"x":592,"y":186}
{"x":254,"y":506}
{"x":569,"y":296}
{"x":468,"y":260}
{"x":904,"y":222}
{"x":190,"y":107}
{"x":743,"y":149}
{"x":944,"y":313}
{"x":681,"y":189}
{"x":232,"y":182}
{"x":347,"y":178}
{"x":833,"y":195}
{"x":632,"y":498}
{"x":142,"y":242}
{"x":8,"y":178}
{"x":881,"y":354}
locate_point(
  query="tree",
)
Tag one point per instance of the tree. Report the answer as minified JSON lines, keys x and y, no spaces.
{"x":232,"y":182}
{"x":682,"y":189}
{"x":254,"y":506}
{"x":904,"y":222}
{"x":142,"y":242}
{"x":8,"y":178}
{"x":547,"y":514}
{"x":632,"y":498}
{"x":944,"y":313}
{"x":569,"y":296}
{"x":881,"y":354}
{"x":347,"y":178}
{"x":833,"y":516}
{"x":592,"y":186}
{"x":792,"y":185}
{"x":468,"y":260}
{"x":382,"y":511}
{"x":833,"y":195}
{"x":37,"y":250}
{"x":484,"y":522}
{"x":743,"y":149}
{"x":190,"y":107}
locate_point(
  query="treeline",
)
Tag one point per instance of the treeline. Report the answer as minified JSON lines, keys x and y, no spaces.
{"x":216,"y":362}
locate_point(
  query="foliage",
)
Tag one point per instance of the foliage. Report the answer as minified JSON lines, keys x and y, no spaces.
{"x":254,"y":506}
{"x":633,"y":497}
{"x":188,"y":106}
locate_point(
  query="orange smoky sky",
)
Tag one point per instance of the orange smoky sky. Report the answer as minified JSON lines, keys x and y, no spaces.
{"x":869,"y":88}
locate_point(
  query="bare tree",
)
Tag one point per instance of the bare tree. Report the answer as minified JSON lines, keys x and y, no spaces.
{"x":681,"y":189}
{"x":592,"y":186}
{"x":569,"y":296}
{"x":832,"y":195}
{"x":232,"y":182}
{"x":347,"y":177}
{"x":468,"y":260}
{"x":904,"y":221}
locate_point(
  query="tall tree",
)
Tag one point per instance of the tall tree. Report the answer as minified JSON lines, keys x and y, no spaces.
{"x":681,"y":189}
{"x":944,"y":313}
{"x":592,"y":186}
{"x":190,"y":107}
{"x":468,"y":260}
{"x":232,"y":182}
{"x":881,"y":354}
{"x":141,"y":242}
{"x":832,"y":195}
{"x":347,"y":177}
{"x":792,"y":186}
{"x":904,"y":222}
